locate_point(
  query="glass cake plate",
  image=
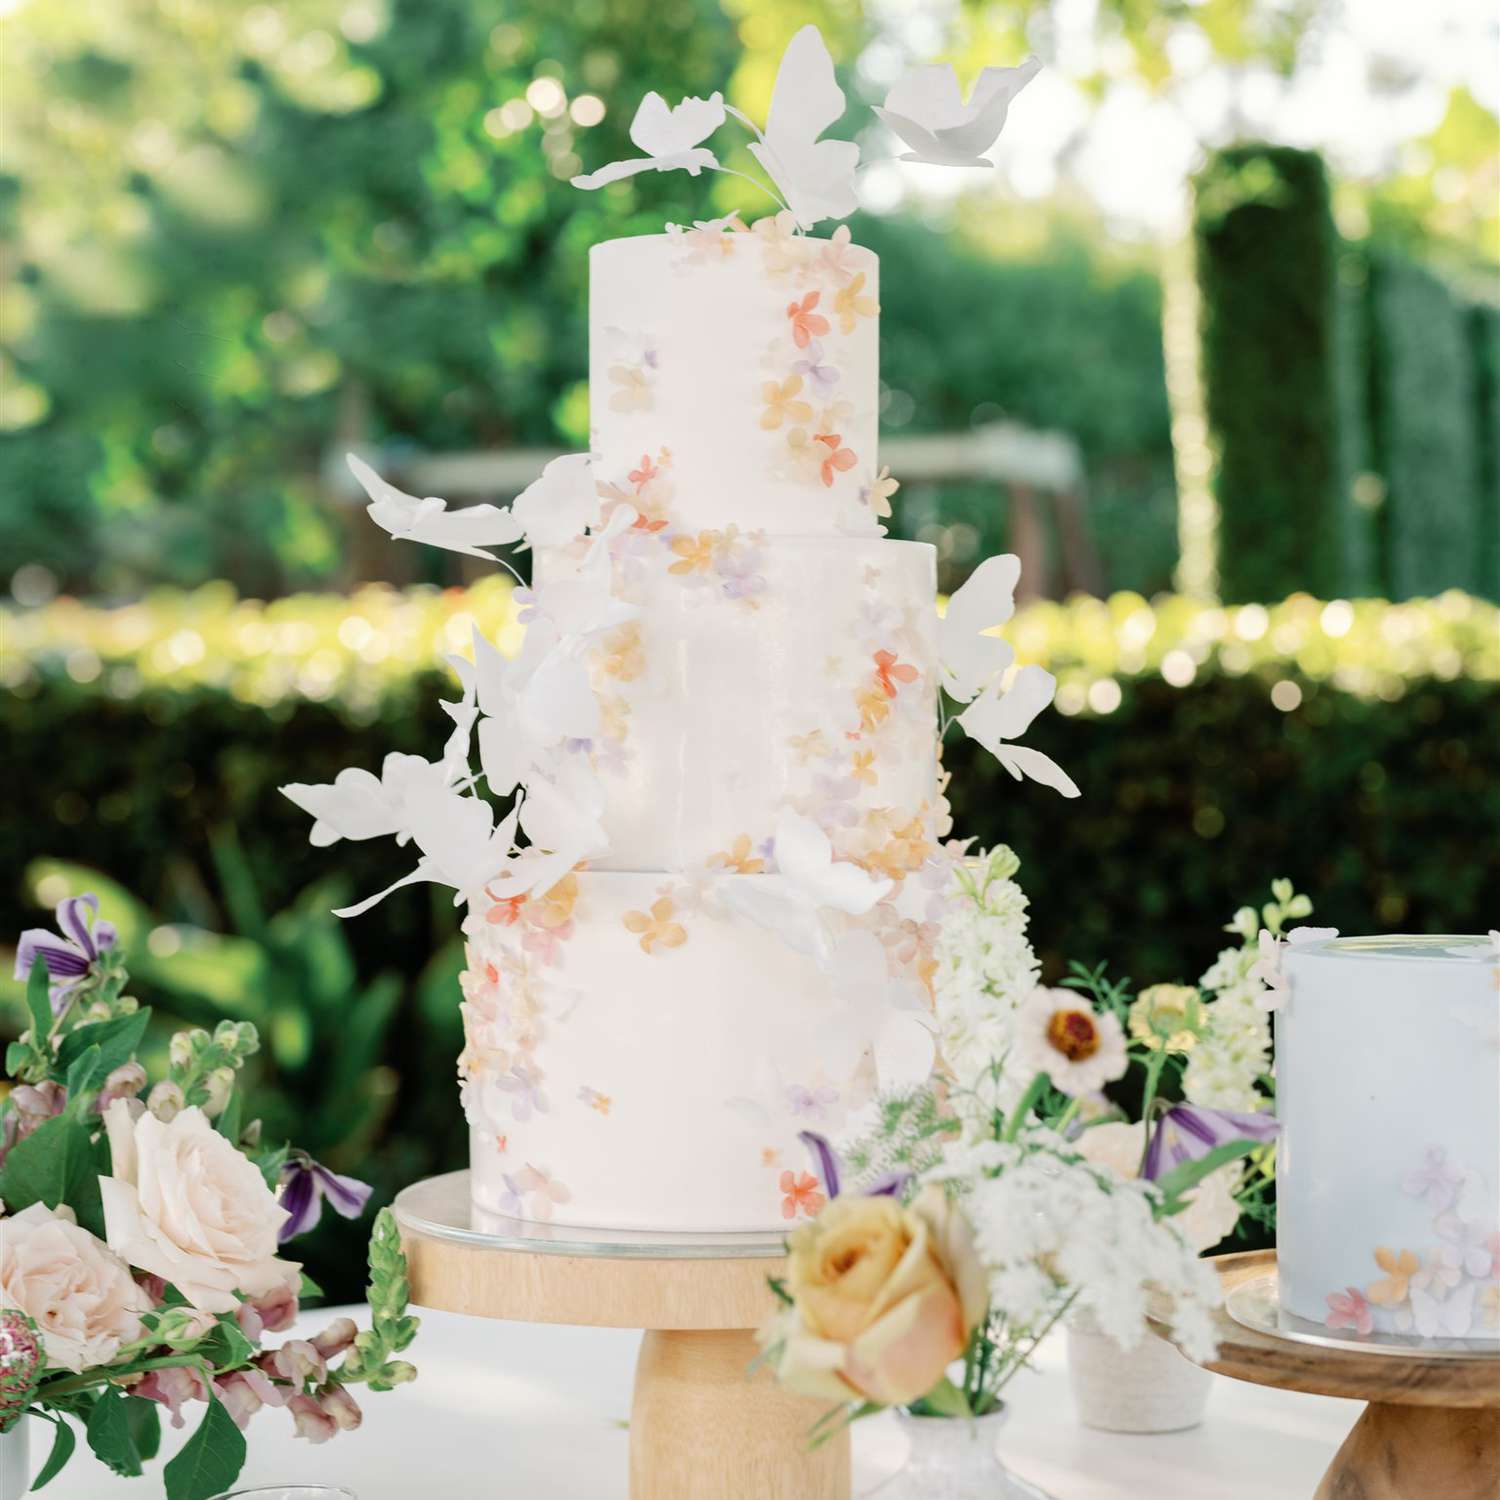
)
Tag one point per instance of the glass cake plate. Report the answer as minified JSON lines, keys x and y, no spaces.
{"x":440,"y":1208}
{"x":1256,"y":1304}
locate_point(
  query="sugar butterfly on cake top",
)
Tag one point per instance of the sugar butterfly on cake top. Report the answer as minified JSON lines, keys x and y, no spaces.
{"x":927,"y":111}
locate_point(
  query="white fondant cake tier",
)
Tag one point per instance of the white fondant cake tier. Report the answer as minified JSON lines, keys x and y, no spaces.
{"x":739,"y":372}
{"x":1388,"y":1167}
{"x":641,"y":1056}
{"x":783,"y":671}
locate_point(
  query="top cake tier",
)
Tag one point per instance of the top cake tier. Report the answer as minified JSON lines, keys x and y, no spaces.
{"x":751,"y":358}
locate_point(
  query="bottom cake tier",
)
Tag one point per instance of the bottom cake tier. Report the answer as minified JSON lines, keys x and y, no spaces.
{"x":1388,"y":1165}
{"x":640,"y":1054}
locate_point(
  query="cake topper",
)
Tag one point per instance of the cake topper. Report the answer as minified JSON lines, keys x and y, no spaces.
{"x":813,"y":178}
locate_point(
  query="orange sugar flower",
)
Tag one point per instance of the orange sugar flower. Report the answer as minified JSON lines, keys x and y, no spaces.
{"x":694,"y":554}
{"x":852,"y":302}
{"x":1393,"y":1287}
{"x":783,"y":403}
{"x":645,"y":474}
{"x":555,"y":908}
{"x":737,"y":857}
{"x":505,"y":913}
{"x":807,"y":325}
{"x":656,"y":929}
{"x":800,"y":1195}
{"x":839,"y":459}
{"x":889,"y":671}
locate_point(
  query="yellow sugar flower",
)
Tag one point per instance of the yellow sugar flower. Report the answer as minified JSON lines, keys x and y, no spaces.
{"x":1399,"y":1267}
{"x":655,"y":928}
{"x":694,"y":554}
{"x":622,"y":657}
{"x":782,"y":403}
{"x":862,"y":768}
{"x":737,"y":857}
{"x":852,"y":302}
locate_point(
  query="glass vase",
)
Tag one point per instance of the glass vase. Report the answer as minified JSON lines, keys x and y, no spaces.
{"x":953,"y":1458}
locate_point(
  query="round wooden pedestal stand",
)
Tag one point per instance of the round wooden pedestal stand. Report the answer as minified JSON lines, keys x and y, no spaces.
{"x":701,"y":1427}
{"x":1431,"y":1430}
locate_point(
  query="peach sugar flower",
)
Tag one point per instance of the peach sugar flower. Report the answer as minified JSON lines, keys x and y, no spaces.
{"x":877,"y":494}
{"x":1395,"y":1286}
{"x":656,"y":929}
{"x":634,"y":393}
{"x":862,"y":768}
{"x":800,"y":1195}
{"x":621,"y":655}
{"x":852,"y":302}
{"x":839,"y":459}
{"x":833,"y":255}
{"x":642,"y":476}
{"x":554,"y":909}
{"x":694,"y":554}
{"x":807,"y":325}
{"x":1348,"y":1309}
{"x":889,"y":671}
{"x":783,"y":404}
{"x":737,"y":857}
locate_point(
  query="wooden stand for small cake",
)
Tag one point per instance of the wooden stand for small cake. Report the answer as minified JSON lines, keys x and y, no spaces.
{"x":701,"y":1426}
{"x":1431,"y":1430}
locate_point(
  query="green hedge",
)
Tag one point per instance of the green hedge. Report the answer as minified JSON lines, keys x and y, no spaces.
{"x":1423,"y":419}
{"x":1266,"y":251}
{"x":1484,"y":336}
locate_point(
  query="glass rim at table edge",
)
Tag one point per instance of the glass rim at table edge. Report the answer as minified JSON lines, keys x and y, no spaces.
{"x":439,"y":1208}
{"x":1401,"y":947}
{"x":302,"y":1491}
{"x":1255,"y":1304}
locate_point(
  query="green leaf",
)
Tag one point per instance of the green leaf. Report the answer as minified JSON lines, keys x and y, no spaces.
{"x":228,"y":1122}
{"x":55,"y":1164}
{"x":39,"y":1004}
{"x":63,"y":1444}
{"x":237,"y":883}
{"x":118,"y":1040}
{"x":110,"y":1436}
{"x":145,"y":1426}
{"x":84,"y":1075}
{"x":309,"y":1287}
{"x":271,"y":1162}
{"x":947,"y":1400}
{"x":1184,"y":1177}
{"x":16,"y":1057}
{"x":225,"y":1344}
{"x":210,"y":1460}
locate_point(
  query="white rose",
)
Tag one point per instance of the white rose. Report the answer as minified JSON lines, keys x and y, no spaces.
{"x":79,"y":1294}
{"x":1211,"y":1213}
{"x":184,"y":1204}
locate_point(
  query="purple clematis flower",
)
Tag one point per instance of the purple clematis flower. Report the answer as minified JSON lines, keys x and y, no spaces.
{"x":888,"y":1186}
{"x":305,"y":1183}
{"x":1188,"y":1131}
{"x":71,"y":953}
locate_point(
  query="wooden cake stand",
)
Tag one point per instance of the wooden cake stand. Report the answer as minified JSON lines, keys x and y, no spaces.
{"x":1431,"y":1430}
{"x":701,"y":1427}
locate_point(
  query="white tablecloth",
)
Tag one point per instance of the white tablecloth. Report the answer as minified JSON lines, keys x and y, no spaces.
{"x":527,"y":1412}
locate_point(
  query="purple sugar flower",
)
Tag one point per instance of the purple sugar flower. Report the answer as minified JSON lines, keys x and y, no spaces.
{"x":823,"y":377}
{"x":71,"y":954}
{"x":1188,"y":1131}
{"x":305,"y":1183}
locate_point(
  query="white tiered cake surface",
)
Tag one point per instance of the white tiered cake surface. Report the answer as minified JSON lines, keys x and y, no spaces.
{"x":1388,"y":1167}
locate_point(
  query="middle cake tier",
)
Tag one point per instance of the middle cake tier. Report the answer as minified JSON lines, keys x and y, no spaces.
{"x":759,"y":673}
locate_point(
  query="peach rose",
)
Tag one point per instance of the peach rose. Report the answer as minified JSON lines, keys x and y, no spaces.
{"x":885,"y":1298}
{"x":77,"y":1291}
{"x":185,"y":1205}
{"x":1212,"y":1211}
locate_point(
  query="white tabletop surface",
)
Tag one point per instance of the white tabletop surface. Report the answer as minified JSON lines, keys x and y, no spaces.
{"x":530,"y":1412}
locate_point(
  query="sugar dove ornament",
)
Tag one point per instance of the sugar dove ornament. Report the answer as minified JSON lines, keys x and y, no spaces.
{"x":468,"y":530}
{"x":927,"y":111}
{"x":670,"y":137}
{"x":816,"y":177}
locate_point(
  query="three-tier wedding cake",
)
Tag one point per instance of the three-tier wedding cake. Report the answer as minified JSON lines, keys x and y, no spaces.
{"x":707,"y":922}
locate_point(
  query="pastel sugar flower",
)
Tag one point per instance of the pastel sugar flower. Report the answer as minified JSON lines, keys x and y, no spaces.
{"x":1395,"y":1286}
{"x":800,"y":1195}
{"x":695,"y":555}
{"x":806,"y":747}
{"x":862,"y":768}
{"x":807,"y":323}
{"x":822,"y":377}
{"x":782,"y":249}
{"x":876,"y":495}
{"x":655,"y":928}
{"x":634,"y":389}
{"x":852,"y":302}
{"x":620,"y":653}
{"x":834,"y":257}
{"x":783,"y":403}
{"x":183,"y":1203}
{"x":1437,"y":1182}
{"x":838,"y":459}
{"x":811,"y":1103}
{"x":889,"y":672}
{"x":542,"y":1192}
{"x":599,"y":1103}
{"x":77,"y":1291}
{"x":523,"y":1083}
{"x":1487,"y":1305}
{"x":1349,"y":1309}
{"x":1077,"y":1047}
{"x":739,"y":857}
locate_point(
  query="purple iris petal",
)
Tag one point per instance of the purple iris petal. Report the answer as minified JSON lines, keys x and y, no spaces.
{"x":828,"y":1163}
{"x":1189,"y":1131}
{"x":347,"y":1196}
{"x":62,"y":959}
{"x":892,"y":1185}
{"x":301,"y":1200}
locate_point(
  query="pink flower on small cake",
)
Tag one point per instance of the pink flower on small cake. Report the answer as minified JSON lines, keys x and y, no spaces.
{"x":656,"y":929}
{"x":801,"y":1195}
{"x":1349,"y":1309}
{"x":807,"y":324}
{"x":1436,"y":1181}
{"x":531,"y":1194}
{"x":1078,"y":1048}
{"x":1395,"y":1286}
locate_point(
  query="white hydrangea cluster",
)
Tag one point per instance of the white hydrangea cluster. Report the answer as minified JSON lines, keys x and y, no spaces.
{"x":1234,"y":1049}
{"x":1049,"y":1223}
{"x":985,"y":969}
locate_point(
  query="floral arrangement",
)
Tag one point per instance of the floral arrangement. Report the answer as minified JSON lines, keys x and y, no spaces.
{"x":141,"y":1261}
{"x":967,"y":1216}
